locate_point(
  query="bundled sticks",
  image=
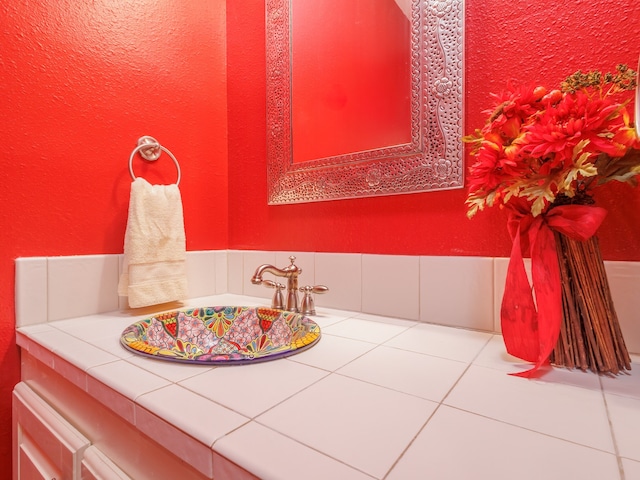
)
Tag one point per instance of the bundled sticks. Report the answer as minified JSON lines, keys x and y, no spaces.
{"x":590,"y":336}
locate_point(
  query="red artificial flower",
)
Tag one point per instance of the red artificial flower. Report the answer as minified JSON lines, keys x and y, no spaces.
{"x":538,"y":144}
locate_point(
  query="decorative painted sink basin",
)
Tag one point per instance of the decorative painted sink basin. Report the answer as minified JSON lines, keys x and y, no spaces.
{"x":221,"y":335}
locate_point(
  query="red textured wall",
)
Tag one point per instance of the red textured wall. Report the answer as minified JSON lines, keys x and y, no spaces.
{"x":80,"y":82}
{"x":503,"y":41}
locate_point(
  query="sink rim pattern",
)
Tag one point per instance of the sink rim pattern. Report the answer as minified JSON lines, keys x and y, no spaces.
{"x":221,"y":335}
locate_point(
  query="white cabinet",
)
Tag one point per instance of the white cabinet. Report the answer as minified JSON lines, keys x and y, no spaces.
{"x":62,"y":432}
{"x":45,"y":445}
{"x":48,"y":447}
{"x":33,"y":463}
{"x":96,"y":466}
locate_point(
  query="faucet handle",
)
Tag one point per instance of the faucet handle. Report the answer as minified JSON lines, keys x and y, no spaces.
{"x":278,"y":301}
{"x":315,"y":289}
{"x":308,"y":307}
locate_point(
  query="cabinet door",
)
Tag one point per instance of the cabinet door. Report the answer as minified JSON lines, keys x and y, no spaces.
{"x":96,"y":466}
{"x":33,"y":463}
{"x":45,"y":444}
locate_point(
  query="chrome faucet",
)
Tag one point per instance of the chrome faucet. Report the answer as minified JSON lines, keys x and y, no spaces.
{"x":290,"y":272}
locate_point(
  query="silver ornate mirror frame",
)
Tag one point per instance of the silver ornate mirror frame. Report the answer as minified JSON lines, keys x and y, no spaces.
{"x":433,"y":160}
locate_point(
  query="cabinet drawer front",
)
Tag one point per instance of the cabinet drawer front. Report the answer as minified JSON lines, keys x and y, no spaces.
{"x":41,"y":429}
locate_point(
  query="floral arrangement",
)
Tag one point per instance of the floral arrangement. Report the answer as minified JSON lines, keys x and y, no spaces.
{"x":541,"y":146}
{"x":540,"y":154}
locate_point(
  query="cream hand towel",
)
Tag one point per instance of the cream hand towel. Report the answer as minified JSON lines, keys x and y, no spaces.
{"x":154,"y":268}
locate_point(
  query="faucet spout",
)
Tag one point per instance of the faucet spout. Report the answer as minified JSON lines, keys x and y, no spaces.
{"x":290,"y":272}
{"x":266,"y":268}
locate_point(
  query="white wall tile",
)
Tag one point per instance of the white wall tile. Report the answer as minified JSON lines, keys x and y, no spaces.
{"x":304,"y":260}
{"x":123,"y":302}
{"x":82,"y":285}
{"x":31,"y":291}
{"x":222,"y":271}
{"x":390,"y":285}
{"x":234,"y":271}
{"x":500,"y":266}
{"x":201,"y":273}
{"x":252,"y":260}
{"x":342,"y":273}
{"x":624,"y":281}
{"x":457,"y":291}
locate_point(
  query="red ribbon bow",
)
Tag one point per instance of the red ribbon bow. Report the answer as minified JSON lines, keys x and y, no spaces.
{"x":531,"y":333}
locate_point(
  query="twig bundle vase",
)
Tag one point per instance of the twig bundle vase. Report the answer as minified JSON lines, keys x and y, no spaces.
{"x":590,"y":336}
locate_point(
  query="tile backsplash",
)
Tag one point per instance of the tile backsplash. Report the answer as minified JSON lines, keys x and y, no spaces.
{"x":454,"y":291}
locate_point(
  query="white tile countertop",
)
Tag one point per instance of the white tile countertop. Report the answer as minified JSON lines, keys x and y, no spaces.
{"x":376,"y":398}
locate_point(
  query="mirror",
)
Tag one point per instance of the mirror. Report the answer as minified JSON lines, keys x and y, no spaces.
{"x":364,"y":98}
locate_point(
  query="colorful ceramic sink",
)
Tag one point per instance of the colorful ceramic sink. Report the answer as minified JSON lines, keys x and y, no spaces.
{"x":221,"y":335}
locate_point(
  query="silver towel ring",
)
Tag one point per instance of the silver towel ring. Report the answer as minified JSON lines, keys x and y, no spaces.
{"x":150,"y":149}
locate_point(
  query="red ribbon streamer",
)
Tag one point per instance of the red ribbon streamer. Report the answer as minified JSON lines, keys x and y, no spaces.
{"x":531,"y":333}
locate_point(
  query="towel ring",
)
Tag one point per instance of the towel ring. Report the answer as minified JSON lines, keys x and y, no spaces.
{"x":150,"y":149}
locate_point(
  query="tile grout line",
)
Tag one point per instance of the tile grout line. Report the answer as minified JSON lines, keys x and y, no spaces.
{"x":439,"y":404}
{"x":420,"y":430}
{"x":615,"y":446}
{"x":616,"y":451}
{"x":299,"y":442}
{"x":488,"y":341}
{"x":335,"y":372}
{"x":529,"y":429}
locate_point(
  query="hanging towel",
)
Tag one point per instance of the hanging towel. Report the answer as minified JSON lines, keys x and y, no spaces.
{"x":154,"y":268}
